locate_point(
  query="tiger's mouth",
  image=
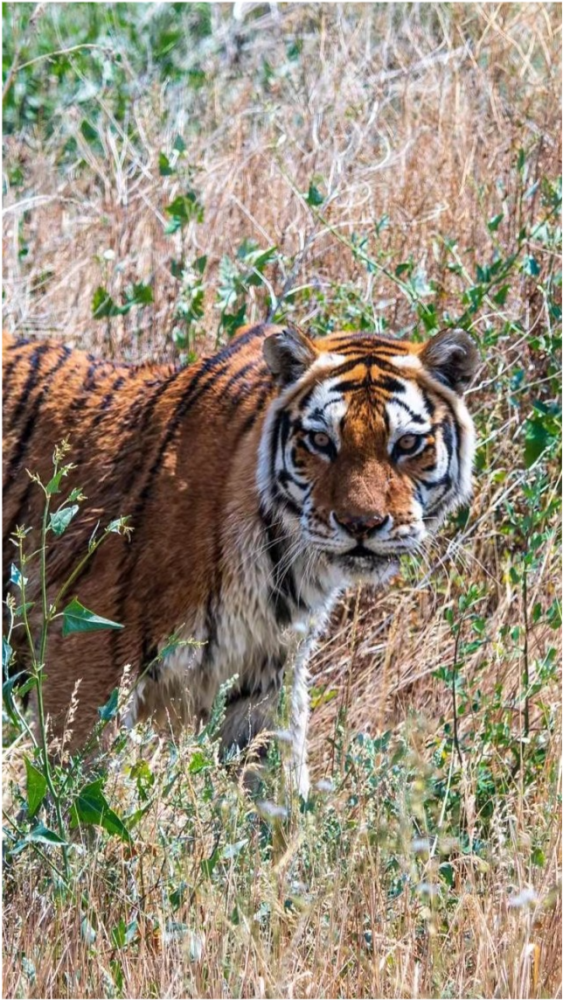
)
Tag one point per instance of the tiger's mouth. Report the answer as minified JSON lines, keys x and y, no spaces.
{"x":362,"y":561}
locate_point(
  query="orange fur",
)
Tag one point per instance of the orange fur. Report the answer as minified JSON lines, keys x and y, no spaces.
{"x":182,"y":452}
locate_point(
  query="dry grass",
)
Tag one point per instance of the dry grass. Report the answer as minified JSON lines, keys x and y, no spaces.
{"x":415,"y":112}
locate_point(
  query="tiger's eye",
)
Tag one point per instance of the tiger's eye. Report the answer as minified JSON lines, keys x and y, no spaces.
{"x":320,"y":439}
{"x":407,"y":442}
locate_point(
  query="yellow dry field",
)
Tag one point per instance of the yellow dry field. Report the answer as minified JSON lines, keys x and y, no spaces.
{"x":399,"y":166}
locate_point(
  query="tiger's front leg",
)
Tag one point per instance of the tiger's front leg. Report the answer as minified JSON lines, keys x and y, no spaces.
{"x":251,"y":712}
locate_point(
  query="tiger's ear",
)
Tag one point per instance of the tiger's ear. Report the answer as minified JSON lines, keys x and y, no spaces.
{"x":288,"y":354}
{"x":451,"y":357}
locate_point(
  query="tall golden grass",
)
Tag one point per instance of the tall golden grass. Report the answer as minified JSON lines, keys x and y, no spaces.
{"x":415,"y":112}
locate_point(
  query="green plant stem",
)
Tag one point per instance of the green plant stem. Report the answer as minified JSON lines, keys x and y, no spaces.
{"x":39,"y":672}
{"x":78,"y":569}
{"x":526,"y":664}
{"x":454,"y":696}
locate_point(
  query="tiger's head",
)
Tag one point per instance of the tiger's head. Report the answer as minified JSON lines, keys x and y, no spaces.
{"x":368,"y":445}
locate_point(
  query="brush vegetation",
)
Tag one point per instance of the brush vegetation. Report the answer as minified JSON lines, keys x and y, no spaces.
{"x":172,"y":171}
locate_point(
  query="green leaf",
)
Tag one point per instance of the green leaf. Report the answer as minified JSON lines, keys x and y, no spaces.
{"x":494,"y":223}
{"x":103,"y":304}
{"x":208,"y":864}
{"x":198,"y":762}
{"x":179,"y":145}
{"x":11,"y":683}
{"x":77,"y":618}
{"x":6,"y":653}
{"x":138,"y":295}
{"x":108,"y":711}
{"x":91,"y":807}
{"x":165,"y":168}
{"x":500,"y":297}
{"x":531,"y":267}
{"x":314,"y":196}
{"x":184,"y":208}
{"x":53,"y":486}
{"x":39,"y":835}
{"x":89,"y":132}
{"x":61,"y":519}
{"x":36,"y":787}
{"x":16,"y":577}
{"x":75,"y":494}
{"x":122,"y":934}
{"x":538,"y":438}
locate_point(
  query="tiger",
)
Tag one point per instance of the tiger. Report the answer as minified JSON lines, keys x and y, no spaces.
{"x":261,"y":482}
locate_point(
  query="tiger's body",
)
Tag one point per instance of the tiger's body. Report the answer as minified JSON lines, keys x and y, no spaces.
{"x":259,"y":483}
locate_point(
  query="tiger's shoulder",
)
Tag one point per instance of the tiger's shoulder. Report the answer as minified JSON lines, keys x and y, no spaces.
{"x":52,"y":391}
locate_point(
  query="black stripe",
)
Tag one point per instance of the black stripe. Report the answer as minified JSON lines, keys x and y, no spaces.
{"x":7,"y":372}
{"x":106,"y":401}
{"x":30,"y":383}
{"x":427,"y":401}
{"x":189,"y":397}
{"x":24,"y":437}
{"x":285,"y":477}
{"x":86,"y":388}
{"x":415,"y":417}
{"x":445,"y":480}
{"x":238,"y":376}
{"x":447,"y":436}
{"x":282,"y":591}
{"x":373,"y":342}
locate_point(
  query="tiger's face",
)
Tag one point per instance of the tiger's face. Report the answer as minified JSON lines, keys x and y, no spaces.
{"x":368,"y":445}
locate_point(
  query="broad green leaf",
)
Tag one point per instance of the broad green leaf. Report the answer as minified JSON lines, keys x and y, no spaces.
{"x":91,"y":807}
{"x":36,"y":787}
{"x":16,"y":577}
{"x":185,"y":207}
{"x":61,"y":519}
{"x":108,"y":711}
{"x":538,"y":438}
{"x":494,"y":223}
{"x":53,"y":486}
{"x":89,"y":132}
{"x":165,"y":168}
{"x":21,"y":608}
{"x":39,"y":835}
{"x":198,"y":762}
{"x":103,"y":304}
{"x":138,"y":295}
{"x":314,"y":196}
{"x":77,"y":618}
{"x":122,"y":934}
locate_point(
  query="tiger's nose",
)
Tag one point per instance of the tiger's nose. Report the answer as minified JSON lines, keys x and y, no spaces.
{"x":360,"y":526}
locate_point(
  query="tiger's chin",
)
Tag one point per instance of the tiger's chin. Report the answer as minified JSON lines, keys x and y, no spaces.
{"x":363,"y":566}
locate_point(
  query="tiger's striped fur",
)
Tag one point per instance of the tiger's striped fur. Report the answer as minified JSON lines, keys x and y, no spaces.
{"x":259,"y":482}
